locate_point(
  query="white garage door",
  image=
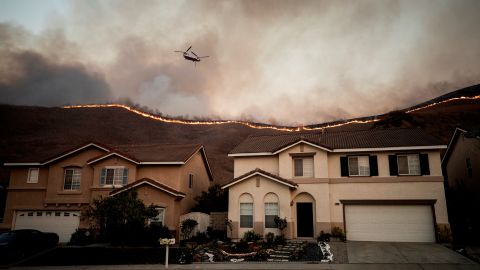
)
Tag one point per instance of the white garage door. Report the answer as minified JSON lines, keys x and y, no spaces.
{"x":63,"y":223}
{"x":396,"y":223}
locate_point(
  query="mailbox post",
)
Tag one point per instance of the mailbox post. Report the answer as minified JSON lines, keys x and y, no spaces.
{"x":167,"y":242}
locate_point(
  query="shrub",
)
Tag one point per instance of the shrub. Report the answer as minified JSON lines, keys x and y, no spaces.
{"x":279,"y":240}
{"x":269,"y":238}
{"x":444,"y":234}
{"x":200,"y":238}
{"x":216,"y":234}
{"x":338,"y":232}
{"x":81,"y":237}
{"x":324,"y":237}
{"x":251,"y":236}
{"x":187,"y":227}
{"x":281,"y":223}
{"x":153,"y":233}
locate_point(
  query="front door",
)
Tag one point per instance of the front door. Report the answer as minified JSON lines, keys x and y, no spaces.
{"x":304,"y":220}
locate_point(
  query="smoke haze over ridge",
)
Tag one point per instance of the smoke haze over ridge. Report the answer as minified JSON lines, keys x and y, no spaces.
{"x":286,"y":62}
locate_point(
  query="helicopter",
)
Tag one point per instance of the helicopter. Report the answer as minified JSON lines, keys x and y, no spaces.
{"x":194,"y":58}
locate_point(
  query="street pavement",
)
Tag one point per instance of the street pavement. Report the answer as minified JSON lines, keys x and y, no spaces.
{"x":265,"y":266}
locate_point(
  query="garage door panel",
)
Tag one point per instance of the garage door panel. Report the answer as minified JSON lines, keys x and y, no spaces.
{"x":63,"y":223}
{"x":402,"y":223}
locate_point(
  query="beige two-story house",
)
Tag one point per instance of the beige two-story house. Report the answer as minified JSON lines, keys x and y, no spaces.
{"x":49,"y":189}
{"x":376,"y":185}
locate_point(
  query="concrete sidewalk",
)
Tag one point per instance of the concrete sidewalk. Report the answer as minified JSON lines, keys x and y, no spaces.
{"x":262,"y":266}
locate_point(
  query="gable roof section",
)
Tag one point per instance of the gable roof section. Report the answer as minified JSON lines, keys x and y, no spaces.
{"x":152,"y":154}
{"x":140,"y":154}
{"x":263,"y":173}
{"x":38,"y":158}
{"x":342,"y":141}
{"x":454,"y":139}
{"x":150,"y":182}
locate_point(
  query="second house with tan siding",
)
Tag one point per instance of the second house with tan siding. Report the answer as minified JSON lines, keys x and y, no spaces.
{"x":49,"y":189}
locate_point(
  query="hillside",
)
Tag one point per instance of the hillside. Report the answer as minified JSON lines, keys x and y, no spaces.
{"x":26,"y":129}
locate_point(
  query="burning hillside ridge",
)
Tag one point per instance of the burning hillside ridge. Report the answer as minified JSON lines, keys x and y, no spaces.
{"x":335,"y":124}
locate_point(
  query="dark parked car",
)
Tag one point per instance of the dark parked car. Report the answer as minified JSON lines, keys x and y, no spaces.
{"x":20,"y":243}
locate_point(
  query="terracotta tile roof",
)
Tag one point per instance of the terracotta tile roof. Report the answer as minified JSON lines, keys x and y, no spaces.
{"x":259,"y":171}
{"x":151,"y":182}
{"x":372,"y":138}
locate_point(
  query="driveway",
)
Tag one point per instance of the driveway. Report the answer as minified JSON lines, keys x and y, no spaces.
{"x":387,"y":252}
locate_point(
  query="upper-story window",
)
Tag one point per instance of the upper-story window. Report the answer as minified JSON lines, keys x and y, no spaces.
{"x":358,"y":166}
{"x":72,"y":179}
{"x":190,"y":180}
{"x":114,"y":176}
{"x":33,"y":175}
{"x":303,"y":167}
{"x":409,"y":164}
{"x":469,"y":168}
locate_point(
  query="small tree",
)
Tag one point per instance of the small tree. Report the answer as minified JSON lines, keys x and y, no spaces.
{"x":215,"y":200}
{"x":281,"y":223}
{"x":120,"y":217}
{"x":187,"y":227}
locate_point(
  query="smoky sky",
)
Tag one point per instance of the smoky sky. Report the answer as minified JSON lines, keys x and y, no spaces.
{"x":284,"y":62}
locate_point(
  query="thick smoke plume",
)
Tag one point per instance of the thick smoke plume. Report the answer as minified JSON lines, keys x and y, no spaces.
{"x":286,"y":62}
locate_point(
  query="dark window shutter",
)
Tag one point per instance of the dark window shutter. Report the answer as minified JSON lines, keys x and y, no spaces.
{"x":424,"y":166}
{"x":373,"y":165}
{"x":125,"y":176}
{"x":103,"y":176}
{"x":392,"y":163}
{"x":344,"y":166}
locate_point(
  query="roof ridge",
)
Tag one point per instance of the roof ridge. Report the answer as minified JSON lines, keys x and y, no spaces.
{"x":319,"y":132}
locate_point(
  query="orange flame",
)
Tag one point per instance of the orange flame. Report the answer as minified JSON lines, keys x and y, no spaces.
{"x":442,"y":102}
{"x":251,"y":125}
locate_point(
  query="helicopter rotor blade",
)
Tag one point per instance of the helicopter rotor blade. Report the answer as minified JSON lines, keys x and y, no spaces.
{"x":179,"y":51}
{"x":188,"y":49}
{"x":195,"y":54}
{"x":204,"y":56}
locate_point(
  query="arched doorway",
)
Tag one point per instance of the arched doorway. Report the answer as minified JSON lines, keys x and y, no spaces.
{"x":305,"y":215}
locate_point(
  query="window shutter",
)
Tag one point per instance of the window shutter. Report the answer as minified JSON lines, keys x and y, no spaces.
{"x":373,"y":165}
{"x":103,"y":176}
{"x":344,"y":166}
{"x":424,"y":166}
{"x":392,"y":162}
{"x":125,"y":176}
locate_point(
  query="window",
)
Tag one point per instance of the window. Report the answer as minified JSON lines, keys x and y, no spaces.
{"x":190,"y":180}
{"x":72,"y":179}
{"x":159,"y":219}
{"x":358,"y":166}
{"x":246,"y":215}
{"x":114,"y":176}
{"x":469,"y":168}
{"x":271,"y":211}
{"x":32,"y":175}
{"x":303,"y":167}
{"x":408,"y":164}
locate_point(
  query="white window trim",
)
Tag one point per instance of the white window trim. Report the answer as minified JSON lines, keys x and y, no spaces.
{"x":408,"y":165}
{"x":71,"y":185}
{"x":35,"y":181}
{"x":358,"y":166}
